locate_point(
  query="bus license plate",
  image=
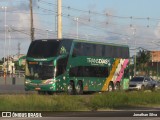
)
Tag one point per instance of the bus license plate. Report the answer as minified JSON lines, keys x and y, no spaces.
{"x":37,"y":88}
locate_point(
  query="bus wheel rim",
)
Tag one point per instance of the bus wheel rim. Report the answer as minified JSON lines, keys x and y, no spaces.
{"x":78,"y":88}
{"x":70,"y":88}
{"x":110,"y":88}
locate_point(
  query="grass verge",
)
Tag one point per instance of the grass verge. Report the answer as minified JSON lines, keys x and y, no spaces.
{"x":113,"y":100}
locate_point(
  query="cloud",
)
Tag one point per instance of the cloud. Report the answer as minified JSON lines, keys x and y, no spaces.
{"x":21,"y":5}
{"x":18,"y":20}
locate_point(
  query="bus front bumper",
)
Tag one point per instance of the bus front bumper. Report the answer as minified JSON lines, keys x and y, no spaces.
{"x":37,"y":87}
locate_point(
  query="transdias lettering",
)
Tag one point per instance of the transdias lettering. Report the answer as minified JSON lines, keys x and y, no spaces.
{"x":97,"y":61}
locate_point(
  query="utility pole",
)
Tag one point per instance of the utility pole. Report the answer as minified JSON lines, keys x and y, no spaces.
{"x":135,"y":57}
{"x":59,"y":20}
{"x":19,"y":49}
{"x":32,"y":28}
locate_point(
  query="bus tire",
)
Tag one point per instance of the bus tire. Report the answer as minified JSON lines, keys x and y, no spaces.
{"x":50,"y":92}
{"x":154,"y":88}
{"x":70,"y":88}
{"x":41,"y":92}
{"x":117,"y":86}
{"x":110,"y":87}
{"x":79,"y":88}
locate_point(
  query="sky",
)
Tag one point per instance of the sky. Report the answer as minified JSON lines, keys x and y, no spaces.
{"x":131,"y":22}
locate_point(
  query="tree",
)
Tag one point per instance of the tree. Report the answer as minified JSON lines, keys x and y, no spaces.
{"x":143,"y":58}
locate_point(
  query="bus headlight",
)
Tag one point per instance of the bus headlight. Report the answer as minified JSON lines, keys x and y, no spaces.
{"x":27,"y":81}
{"x":50,"y":81}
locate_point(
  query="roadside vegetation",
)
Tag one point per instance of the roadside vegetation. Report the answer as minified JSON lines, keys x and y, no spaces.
{"x":103,"y":101}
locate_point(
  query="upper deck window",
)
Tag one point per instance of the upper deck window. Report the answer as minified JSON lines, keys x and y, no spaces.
{"x":43,"y":48}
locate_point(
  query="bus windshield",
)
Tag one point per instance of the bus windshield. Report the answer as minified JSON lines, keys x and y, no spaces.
{"x":39,"y":71}
{"x":43,"y":48}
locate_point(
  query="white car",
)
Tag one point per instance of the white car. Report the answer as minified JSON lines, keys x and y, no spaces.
{"x":142,"y":83}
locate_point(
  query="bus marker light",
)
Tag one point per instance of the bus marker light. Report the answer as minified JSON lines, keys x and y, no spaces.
{"x":32,"y":63}
{"x":85,"y":87}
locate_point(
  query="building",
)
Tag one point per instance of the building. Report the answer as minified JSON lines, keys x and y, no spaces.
{"x":155,"y":56}
{"x":155,"y":63}
{"x":9,"y":65}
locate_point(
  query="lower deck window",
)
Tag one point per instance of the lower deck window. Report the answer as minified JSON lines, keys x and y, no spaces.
{"x":89,"y":71}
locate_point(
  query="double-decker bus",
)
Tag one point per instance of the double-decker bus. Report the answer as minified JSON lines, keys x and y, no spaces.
{"x":75,"y":66}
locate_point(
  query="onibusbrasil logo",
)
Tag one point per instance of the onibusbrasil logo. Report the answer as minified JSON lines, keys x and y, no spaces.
{"x":21,"y":114}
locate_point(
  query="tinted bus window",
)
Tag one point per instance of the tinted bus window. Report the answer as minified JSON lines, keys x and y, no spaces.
{"x":98,"y":50}
{"x":87,"y":49}
{"x":89,"y":71}
{"x":43,"y":48}
{"x":78,"y":49}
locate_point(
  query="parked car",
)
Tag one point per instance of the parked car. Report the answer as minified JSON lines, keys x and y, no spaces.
{"x":142,"y":83}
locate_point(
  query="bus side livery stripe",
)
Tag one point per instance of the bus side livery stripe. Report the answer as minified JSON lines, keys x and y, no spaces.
{"x":109,"y":78}
{"x":117,"y":71}
{"x":124,"y":65}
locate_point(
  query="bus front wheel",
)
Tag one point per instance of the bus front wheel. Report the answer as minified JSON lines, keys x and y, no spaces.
{"x":110,"y":87}
{"x":50,"y":93}
{"x":41,"y":92}
{"x":117,"y":86}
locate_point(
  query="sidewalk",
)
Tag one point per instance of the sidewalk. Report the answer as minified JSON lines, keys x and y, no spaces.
{"x":7,"y":86}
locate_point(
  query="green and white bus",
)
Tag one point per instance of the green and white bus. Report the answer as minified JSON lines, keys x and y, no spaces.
{"x":75,"y":66}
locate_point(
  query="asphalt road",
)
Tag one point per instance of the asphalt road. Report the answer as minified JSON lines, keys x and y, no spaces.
{"x":9,"y":80}
{"x":12,"y":86}
{"x":84,"y":118}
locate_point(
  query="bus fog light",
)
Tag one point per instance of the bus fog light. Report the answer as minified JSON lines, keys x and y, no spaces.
{"x":27,"y":81}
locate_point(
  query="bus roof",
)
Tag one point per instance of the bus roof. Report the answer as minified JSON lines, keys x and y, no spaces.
{"x":85,"y":41}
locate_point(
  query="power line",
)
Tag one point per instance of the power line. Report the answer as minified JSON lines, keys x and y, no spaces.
{"x":97,"y":22}
{"x":102,"y":14}
{"x":87,"y":22}
{"x":17,"y":12}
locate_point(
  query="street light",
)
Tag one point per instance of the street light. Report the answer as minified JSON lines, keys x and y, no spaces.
{"x":5,"y":10}
{"x":76,"y":19}
{"x":126,"y":40}
{"x":9,"y":42}
{"x":48,"y":32}
{"x":134,"y":32}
